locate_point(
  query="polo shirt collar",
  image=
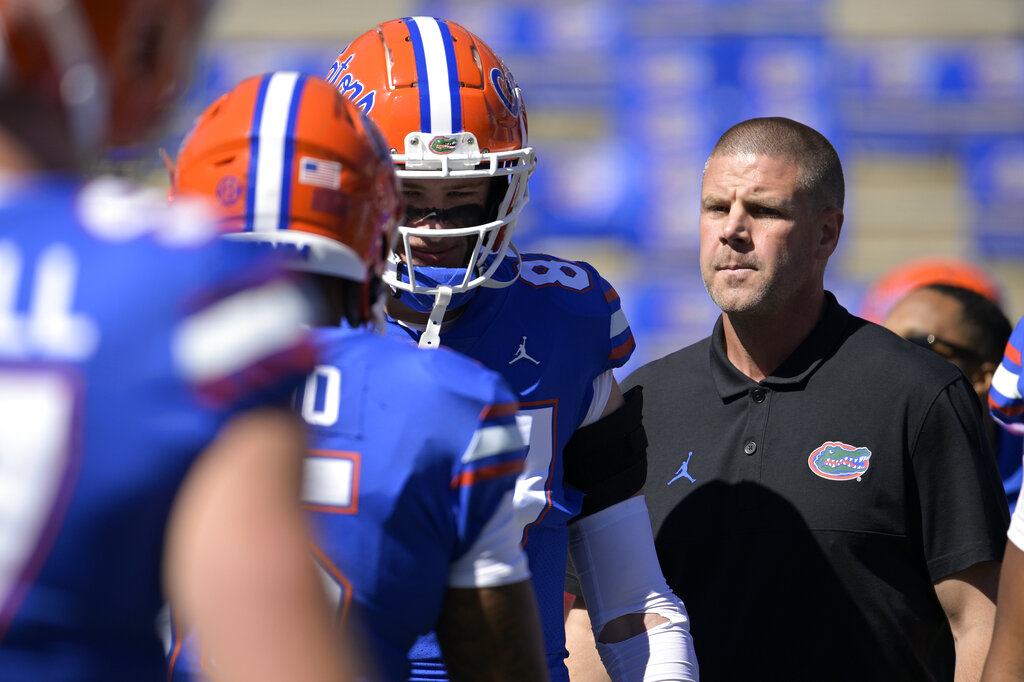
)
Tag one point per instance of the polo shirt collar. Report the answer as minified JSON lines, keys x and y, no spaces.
{"x":826,"y":335}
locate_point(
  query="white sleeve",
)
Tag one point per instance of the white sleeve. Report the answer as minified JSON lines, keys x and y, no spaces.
{"x":619,"y":574}
{"x":602,"y":389}
{"x":496,"y":558}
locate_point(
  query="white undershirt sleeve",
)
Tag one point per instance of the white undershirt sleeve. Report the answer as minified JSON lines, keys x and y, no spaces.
{"x":496,"y":558}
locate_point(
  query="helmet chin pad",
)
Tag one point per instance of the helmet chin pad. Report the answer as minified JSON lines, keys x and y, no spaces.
{"x":504,"y":272}
{"x":421,"y":297}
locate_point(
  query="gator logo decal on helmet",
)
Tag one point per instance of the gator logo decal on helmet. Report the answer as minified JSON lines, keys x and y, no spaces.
{"x":838,"y":461}
{"x":443,"y":144}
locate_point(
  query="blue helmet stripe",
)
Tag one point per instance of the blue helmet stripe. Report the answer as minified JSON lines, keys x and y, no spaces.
{"x":421,"y":73}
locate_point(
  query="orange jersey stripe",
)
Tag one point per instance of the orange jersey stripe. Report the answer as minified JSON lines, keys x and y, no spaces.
{"x":487,"y":473}
{"x":1013,"y":355}
{"x":622,"y":349}
{"x":498,"y":410}
{"x":1014,"y":411}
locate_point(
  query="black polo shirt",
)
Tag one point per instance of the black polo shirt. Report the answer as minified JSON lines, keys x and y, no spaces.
{"x":803,"y":519}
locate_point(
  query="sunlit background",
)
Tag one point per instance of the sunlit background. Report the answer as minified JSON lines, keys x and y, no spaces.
{"x":924,"y":100}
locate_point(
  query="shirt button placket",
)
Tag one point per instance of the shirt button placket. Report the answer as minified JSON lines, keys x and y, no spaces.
{"x":756,"y":419}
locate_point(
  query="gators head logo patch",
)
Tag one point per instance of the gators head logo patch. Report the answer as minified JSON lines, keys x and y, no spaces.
{"x":838,"y":461}
{"x":443,"y":144}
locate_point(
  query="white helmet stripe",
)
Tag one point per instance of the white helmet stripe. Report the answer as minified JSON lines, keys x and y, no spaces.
{"x":443,"y":108}
{"x":273,"y":111}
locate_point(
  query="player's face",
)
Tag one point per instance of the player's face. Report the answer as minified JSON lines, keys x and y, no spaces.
{"x":925,"y":312}
{"x":760,"y":249}
{"x":443,"y":204}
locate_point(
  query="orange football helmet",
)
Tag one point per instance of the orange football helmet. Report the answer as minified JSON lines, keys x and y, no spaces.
{"x":899,"y":281}
{"x":448,"y":108}
{"x":292,"y":164}
{"x":113,"y":67}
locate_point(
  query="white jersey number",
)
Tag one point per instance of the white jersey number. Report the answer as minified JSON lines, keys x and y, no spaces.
{"x":50,"y":327}
{"x":330,"y":485}
{"x":532,"y":496}
{"x":327,"y":413}
{"x":37,"y":412}
{"x":548,"y":272}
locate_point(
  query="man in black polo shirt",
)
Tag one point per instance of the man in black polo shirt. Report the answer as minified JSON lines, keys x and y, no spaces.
{"x":821,"y":491}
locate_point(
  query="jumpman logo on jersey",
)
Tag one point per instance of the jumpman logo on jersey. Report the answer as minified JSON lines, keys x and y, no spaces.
{"x":521,"y":354}
{"x":682,"y":471}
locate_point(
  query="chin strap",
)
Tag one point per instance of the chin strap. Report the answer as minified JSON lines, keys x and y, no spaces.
{"x":431,"y":337}
{"x":492,"y":283}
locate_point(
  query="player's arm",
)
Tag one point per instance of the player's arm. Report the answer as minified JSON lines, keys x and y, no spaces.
{"x":492,"y":633}
{"x":489,"y":626}
{"x":1005,"y":660}
{"x":584,"y":663}
{"x":641,"y":628}
{"x":237,"y":556}
{"x":968,"y":598}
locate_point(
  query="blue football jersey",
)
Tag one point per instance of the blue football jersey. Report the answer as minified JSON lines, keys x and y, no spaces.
{"x":1005,"y":399}
{"x":123,"y":349}
{"x":409,"y":478}
{"x":550,"y":335}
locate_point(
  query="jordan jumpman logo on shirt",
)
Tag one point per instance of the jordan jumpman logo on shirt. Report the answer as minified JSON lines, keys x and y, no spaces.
{"x":682,"y":471}
{"x":521,"y":354}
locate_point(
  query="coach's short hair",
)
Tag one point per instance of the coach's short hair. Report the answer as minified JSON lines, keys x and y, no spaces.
{"x":821,"y":173}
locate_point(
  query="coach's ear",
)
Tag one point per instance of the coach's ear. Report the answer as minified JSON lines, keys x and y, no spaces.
{"x":830,"y":225}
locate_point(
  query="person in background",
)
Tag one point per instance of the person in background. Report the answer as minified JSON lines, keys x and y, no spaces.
{"x":901,"y":279}
{"x":145,"y":446}
{"x":410,"y":490}
{"x":1006,"y":402}
{"x":821,"y":490}
{"x":454,"y":120}
{"x":971,"y":331}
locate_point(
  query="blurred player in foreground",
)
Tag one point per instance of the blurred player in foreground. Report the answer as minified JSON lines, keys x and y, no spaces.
{"x":413,"y":455}
{"x":140,"y":438}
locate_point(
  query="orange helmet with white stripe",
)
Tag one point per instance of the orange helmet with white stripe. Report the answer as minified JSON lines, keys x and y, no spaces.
{"x":448,"y":108}
{"x":112,"y":67}
{"x":294,"y":165}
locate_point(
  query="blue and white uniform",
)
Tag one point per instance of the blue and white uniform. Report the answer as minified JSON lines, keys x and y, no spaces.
{"x":1006,"y":403}
{"x":409,"y":480}
{"x":554,"y":335}
{"x":126,"y":342}
{"x":1005,"y":399}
